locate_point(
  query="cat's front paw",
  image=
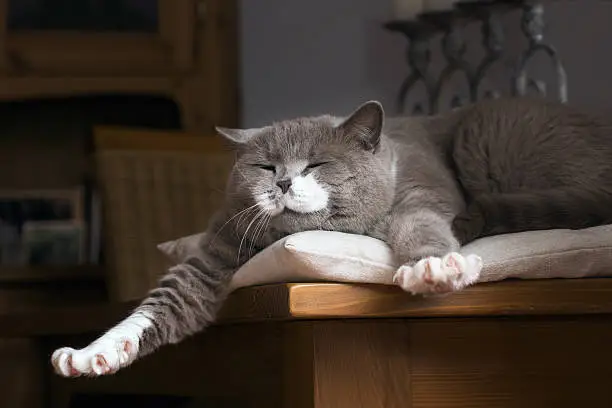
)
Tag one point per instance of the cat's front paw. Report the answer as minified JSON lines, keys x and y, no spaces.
{"x":439,"y":275}
{"x":99,"y":358}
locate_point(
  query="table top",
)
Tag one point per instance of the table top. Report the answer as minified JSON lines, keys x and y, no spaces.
{"x":309,"y":301}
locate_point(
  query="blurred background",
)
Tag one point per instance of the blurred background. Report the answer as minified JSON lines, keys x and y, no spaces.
{"x":107,"y":145}
{"x":321,"y":56}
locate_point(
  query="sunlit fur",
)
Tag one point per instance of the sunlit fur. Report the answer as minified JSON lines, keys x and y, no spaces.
{"x":422,"y":184}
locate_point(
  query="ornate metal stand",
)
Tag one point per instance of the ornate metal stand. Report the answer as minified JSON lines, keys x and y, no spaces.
{"x":454,"y":47}
{"x":450,"y":24}
{"x":492,"y":31}
{"x":418,"y":55}
{"x":533,"y":27}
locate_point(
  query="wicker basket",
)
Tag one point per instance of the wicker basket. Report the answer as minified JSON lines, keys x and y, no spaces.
{"x":155,"y":186}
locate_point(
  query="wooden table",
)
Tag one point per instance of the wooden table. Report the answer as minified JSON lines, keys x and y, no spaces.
{"x":511,"y":344}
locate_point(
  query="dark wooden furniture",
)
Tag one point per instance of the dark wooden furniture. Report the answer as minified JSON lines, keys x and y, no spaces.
{"x":189,"y":55}
{"x":511,"y":344}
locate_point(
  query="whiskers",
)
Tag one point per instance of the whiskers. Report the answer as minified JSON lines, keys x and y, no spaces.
{"x":238,"y":214}
{"x":261,"y":220}
{"x":260,"y":229}
{"x":258,"y":218}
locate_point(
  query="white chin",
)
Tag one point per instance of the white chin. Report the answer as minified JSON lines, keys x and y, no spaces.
{"x":305,"y":207}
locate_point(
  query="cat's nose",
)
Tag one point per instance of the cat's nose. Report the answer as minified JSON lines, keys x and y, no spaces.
{"x":284,"y":185}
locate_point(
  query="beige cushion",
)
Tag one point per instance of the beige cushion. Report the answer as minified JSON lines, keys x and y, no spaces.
{"x":334,"y":256}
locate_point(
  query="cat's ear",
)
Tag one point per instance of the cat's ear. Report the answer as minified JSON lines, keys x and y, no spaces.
{"x":237,"y":136}
{"x":366,"y":123}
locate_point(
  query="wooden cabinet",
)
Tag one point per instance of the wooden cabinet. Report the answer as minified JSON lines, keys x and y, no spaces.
{"x":183,"y":49}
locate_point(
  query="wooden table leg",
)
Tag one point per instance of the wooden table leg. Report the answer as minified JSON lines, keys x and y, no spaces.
{"x":347,"y":364}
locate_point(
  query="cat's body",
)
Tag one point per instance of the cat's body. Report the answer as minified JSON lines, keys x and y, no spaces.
{"x":518,"y":165}
{"x":422,"y":184}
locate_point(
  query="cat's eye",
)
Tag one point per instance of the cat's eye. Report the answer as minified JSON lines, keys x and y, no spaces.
{"x":267,"y":167}
{"x":315,"y":165}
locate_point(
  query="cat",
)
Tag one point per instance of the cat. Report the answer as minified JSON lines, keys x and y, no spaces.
{"x":424,"y":185}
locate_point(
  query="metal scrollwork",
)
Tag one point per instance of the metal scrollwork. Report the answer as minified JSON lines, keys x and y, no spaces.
{"x":533,"y":27}
{"x":418,"y":54}
{"x":493,"y":39}
{"x":451,"y":24}
{"x":454,"y":48}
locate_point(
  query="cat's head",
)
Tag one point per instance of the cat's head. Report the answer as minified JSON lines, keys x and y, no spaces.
{"x":312,"y":168}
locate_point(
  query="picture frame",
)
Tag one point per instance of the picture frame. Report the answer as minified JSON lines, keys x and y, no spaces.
{"x":43,"y":227}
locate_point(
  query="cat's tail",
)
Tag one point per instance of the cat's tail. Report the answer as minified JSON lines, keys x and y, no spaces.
{"x":569,"y":208}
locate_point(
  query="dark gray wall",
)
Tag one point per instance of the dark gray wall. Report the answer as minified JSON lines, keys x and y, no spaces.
{"x":309,"y":57}
{"x":582,"y":32}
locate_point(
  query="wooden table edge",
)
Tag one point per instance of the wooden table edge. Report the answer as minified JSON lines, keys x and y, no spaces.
{"x":309,"y":301}
{"x":507,"y":298}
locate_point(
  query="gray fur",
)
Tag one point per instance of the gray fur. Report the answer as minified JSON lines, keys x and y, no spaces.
{"x":424,"y":185}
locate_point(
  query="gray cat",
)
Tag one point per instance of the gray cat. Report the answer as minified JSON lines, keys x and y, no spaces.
{"x":424,"y":185}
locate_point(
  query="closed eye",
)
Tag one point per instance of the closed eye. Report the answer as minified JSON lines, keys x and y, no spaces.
{"x":267,"y":167}
{"x":315,"y":165}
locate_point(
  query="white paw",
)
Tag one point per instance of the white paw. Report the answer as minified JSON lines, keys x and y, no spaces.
{"x":117,"y":348}
{"x":104,"y":356}
{"x":439,"y":275}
